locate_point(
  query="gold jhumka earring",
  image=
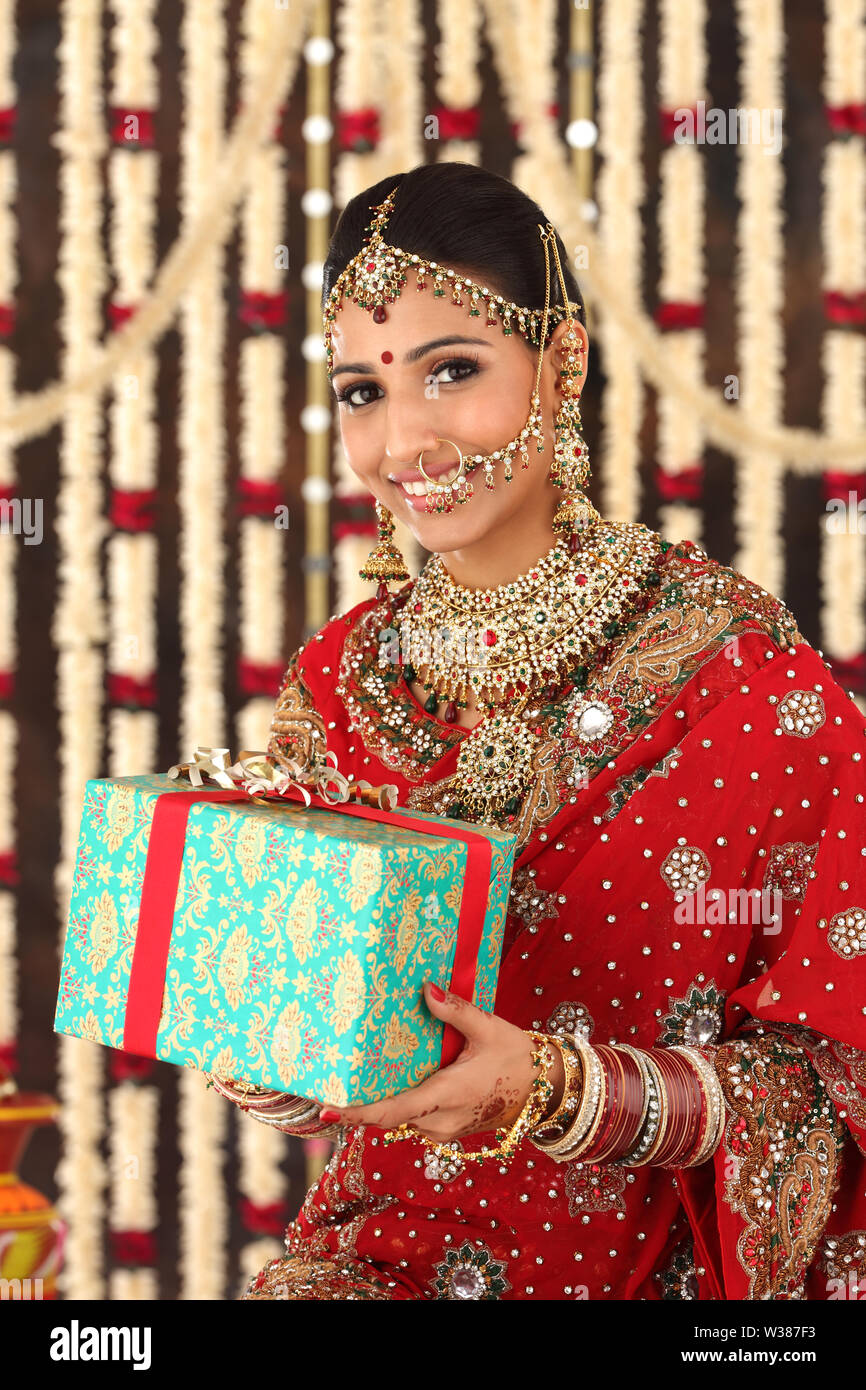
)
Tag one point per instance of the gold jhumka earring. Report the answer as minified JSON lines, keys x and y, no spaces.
{"x":375,"y":277}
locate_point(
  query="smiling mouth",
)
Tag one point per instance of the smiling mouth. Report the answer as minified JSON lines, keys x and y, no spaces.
{"x":420,"y":488}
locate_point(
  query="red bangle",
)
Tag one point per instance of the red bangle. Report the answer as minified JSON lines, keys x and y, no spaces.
{"x":712,"y":1108}
{"x":685,"y":1108}
{"x":620,"y":1125}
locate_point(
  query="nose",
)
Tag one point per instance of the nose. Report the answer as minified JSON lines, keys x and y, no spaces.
{"x":407,"y":436}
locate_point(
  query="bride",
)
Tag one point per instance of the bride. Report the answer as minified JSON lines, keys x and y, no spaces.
{"x":669,"y":1101}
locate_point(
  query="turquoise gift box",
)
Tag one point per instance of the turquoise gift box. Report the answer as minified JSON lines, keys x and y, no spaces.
{"x":277,"y":943}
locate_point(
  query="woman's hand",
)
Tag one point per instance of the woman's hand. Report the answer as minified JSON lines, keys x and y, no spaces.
{"x":485,"y":1088}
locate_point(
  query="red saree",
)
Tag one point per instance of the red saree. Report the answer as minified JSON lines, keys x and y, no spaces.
{"x":721,"y":757}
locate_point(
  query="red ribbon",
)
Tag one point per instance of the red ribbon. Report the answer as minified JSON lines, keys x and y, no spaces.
{"x":674,"y":314}
{"x":143,"y":115}
{"x":669,"y":121}
{"x":845,"y":308}
{"x":258,"y":309}
{"x":683,"y":486}
{"x":133,"y":509}
{"x":458,"y":122}
{"x":133,"y":1247}
{"x":847,"y":120}
{"x":130,"y":690}
{"x":260,"y":677}
{"x":341,"y":529}
{"x":119,"y":314}
{"x":264,"y":1220}
{"x":259,"y":496}
{"x":159,"y":893}
{"x":358,"y":130}
{"x":8,"y":868}
{"x":126,"y":1067}
{"x":836,"y":485}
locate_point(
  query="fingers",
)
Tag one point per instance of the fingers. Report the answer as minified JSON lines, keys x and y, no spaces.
{"x":435,"y":1094}
{"x":415,"y":1104}
{"x":452,"y":1008}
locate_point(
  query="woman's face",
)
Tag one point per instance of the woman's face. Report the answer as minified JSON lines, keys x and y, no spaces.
{"x":431,"y":370}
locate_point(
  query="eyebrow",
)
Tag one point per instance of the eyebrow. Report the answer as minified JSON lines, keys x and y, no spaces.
{"x":413,"y":355}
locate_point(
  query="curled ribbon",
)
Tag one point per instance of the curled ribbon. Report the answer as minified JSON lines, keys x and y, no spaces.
{"x":258,"y":774}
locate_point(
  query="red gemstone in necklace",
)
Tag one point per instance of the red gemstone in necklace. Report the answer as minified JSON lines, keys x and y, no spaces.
{"x":581,"y":579}
{"x":490,"y":637}
{"x":450,"y":712}
{"x":379,"y":313}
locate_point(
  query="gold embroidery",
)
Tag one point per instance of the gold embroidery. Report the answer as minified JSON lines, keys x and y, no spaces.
{"x":789,"y":867}
{"x":348,"y":1204}
{"x":294,"y":1277}
{"x":785,"y":1138}
{"x":843,"y":1071}
{"x":297,"y":729}
{"x":666,"y":640}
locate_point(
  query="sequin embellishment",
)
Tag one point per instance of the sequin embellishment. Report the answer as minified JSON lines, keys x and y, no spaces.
{"x":470,"y":1273}
{"x":847,"y":934}
{"x":685,"y":869}
{"x":801,"y":713}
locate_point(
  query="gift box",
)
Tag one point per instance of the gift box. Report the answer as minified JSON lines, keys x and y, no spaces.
{"x":285,"y":944}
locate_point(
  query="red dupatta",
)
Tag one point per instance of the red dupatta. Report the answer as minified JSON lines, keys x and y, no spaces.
{"x":728,"y":761}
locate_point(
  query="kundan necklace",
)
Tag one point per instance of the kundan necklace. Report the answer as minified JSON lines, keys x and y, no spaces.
{"x":512,"y":640}
{"x":505,"y":644}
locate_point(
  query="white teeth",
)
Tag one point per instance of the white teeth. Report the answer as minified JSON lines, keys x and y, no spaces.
{"x":419,"y":489}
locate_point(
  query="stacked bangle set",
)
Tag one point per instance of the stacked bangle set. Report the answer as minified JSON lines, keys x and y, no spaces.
{"x":620,"y":1104}
{"x":631,"y":1106}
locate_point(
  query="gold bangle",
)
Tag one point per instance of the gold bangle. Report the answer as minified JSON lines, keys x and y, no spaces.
{"x":572,"y":1073}
{"x":589,"y":1109}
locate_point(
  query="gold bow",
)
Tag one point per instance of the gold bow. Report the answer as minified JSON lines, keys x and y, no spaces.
{"x":259,"y":774}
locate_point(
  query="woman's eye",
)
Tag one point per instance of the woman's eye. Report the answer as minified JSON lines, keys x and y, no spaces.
{"x":457,"y":364}
{"x":466,"y":366}
{"x":350,"y":391}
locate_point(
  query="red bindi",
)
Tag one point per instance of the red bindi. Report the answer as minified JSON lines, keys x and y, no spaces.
{"x":387,"y":357}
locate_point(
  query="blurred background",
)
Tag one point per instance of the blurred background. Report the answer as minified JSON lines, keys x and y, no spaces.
{"x":178,"y":515}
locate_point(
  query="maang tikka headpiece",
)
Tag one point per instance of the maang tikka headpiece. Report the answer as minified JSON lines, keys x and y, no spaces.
{"x":374,"y":278}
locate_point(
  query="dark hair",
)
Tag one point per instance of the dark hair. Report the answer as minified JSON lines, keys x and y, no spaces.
{"x":465,"y":217}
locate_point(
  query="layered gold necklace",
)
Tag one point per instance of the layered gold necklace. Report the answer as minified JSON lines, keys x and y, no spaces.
{"x":504,"y":645}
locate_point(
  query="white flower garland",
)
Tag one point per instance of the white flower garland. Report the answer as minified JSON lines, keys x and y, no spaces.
{"x":78,"y":629}
{"x":682,"y":277}
{"x":201,"y":501}
{"x":8,"y":652}
{"x":132,"y":568}
{"x":620,"y":189}
{"x":843,"y":554}
{"x":458,"y":77}
{"x":133,"y":1113}
{"x":261,"y":1149}
{"x":377,"y":64}
{"x":759,"y":296}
